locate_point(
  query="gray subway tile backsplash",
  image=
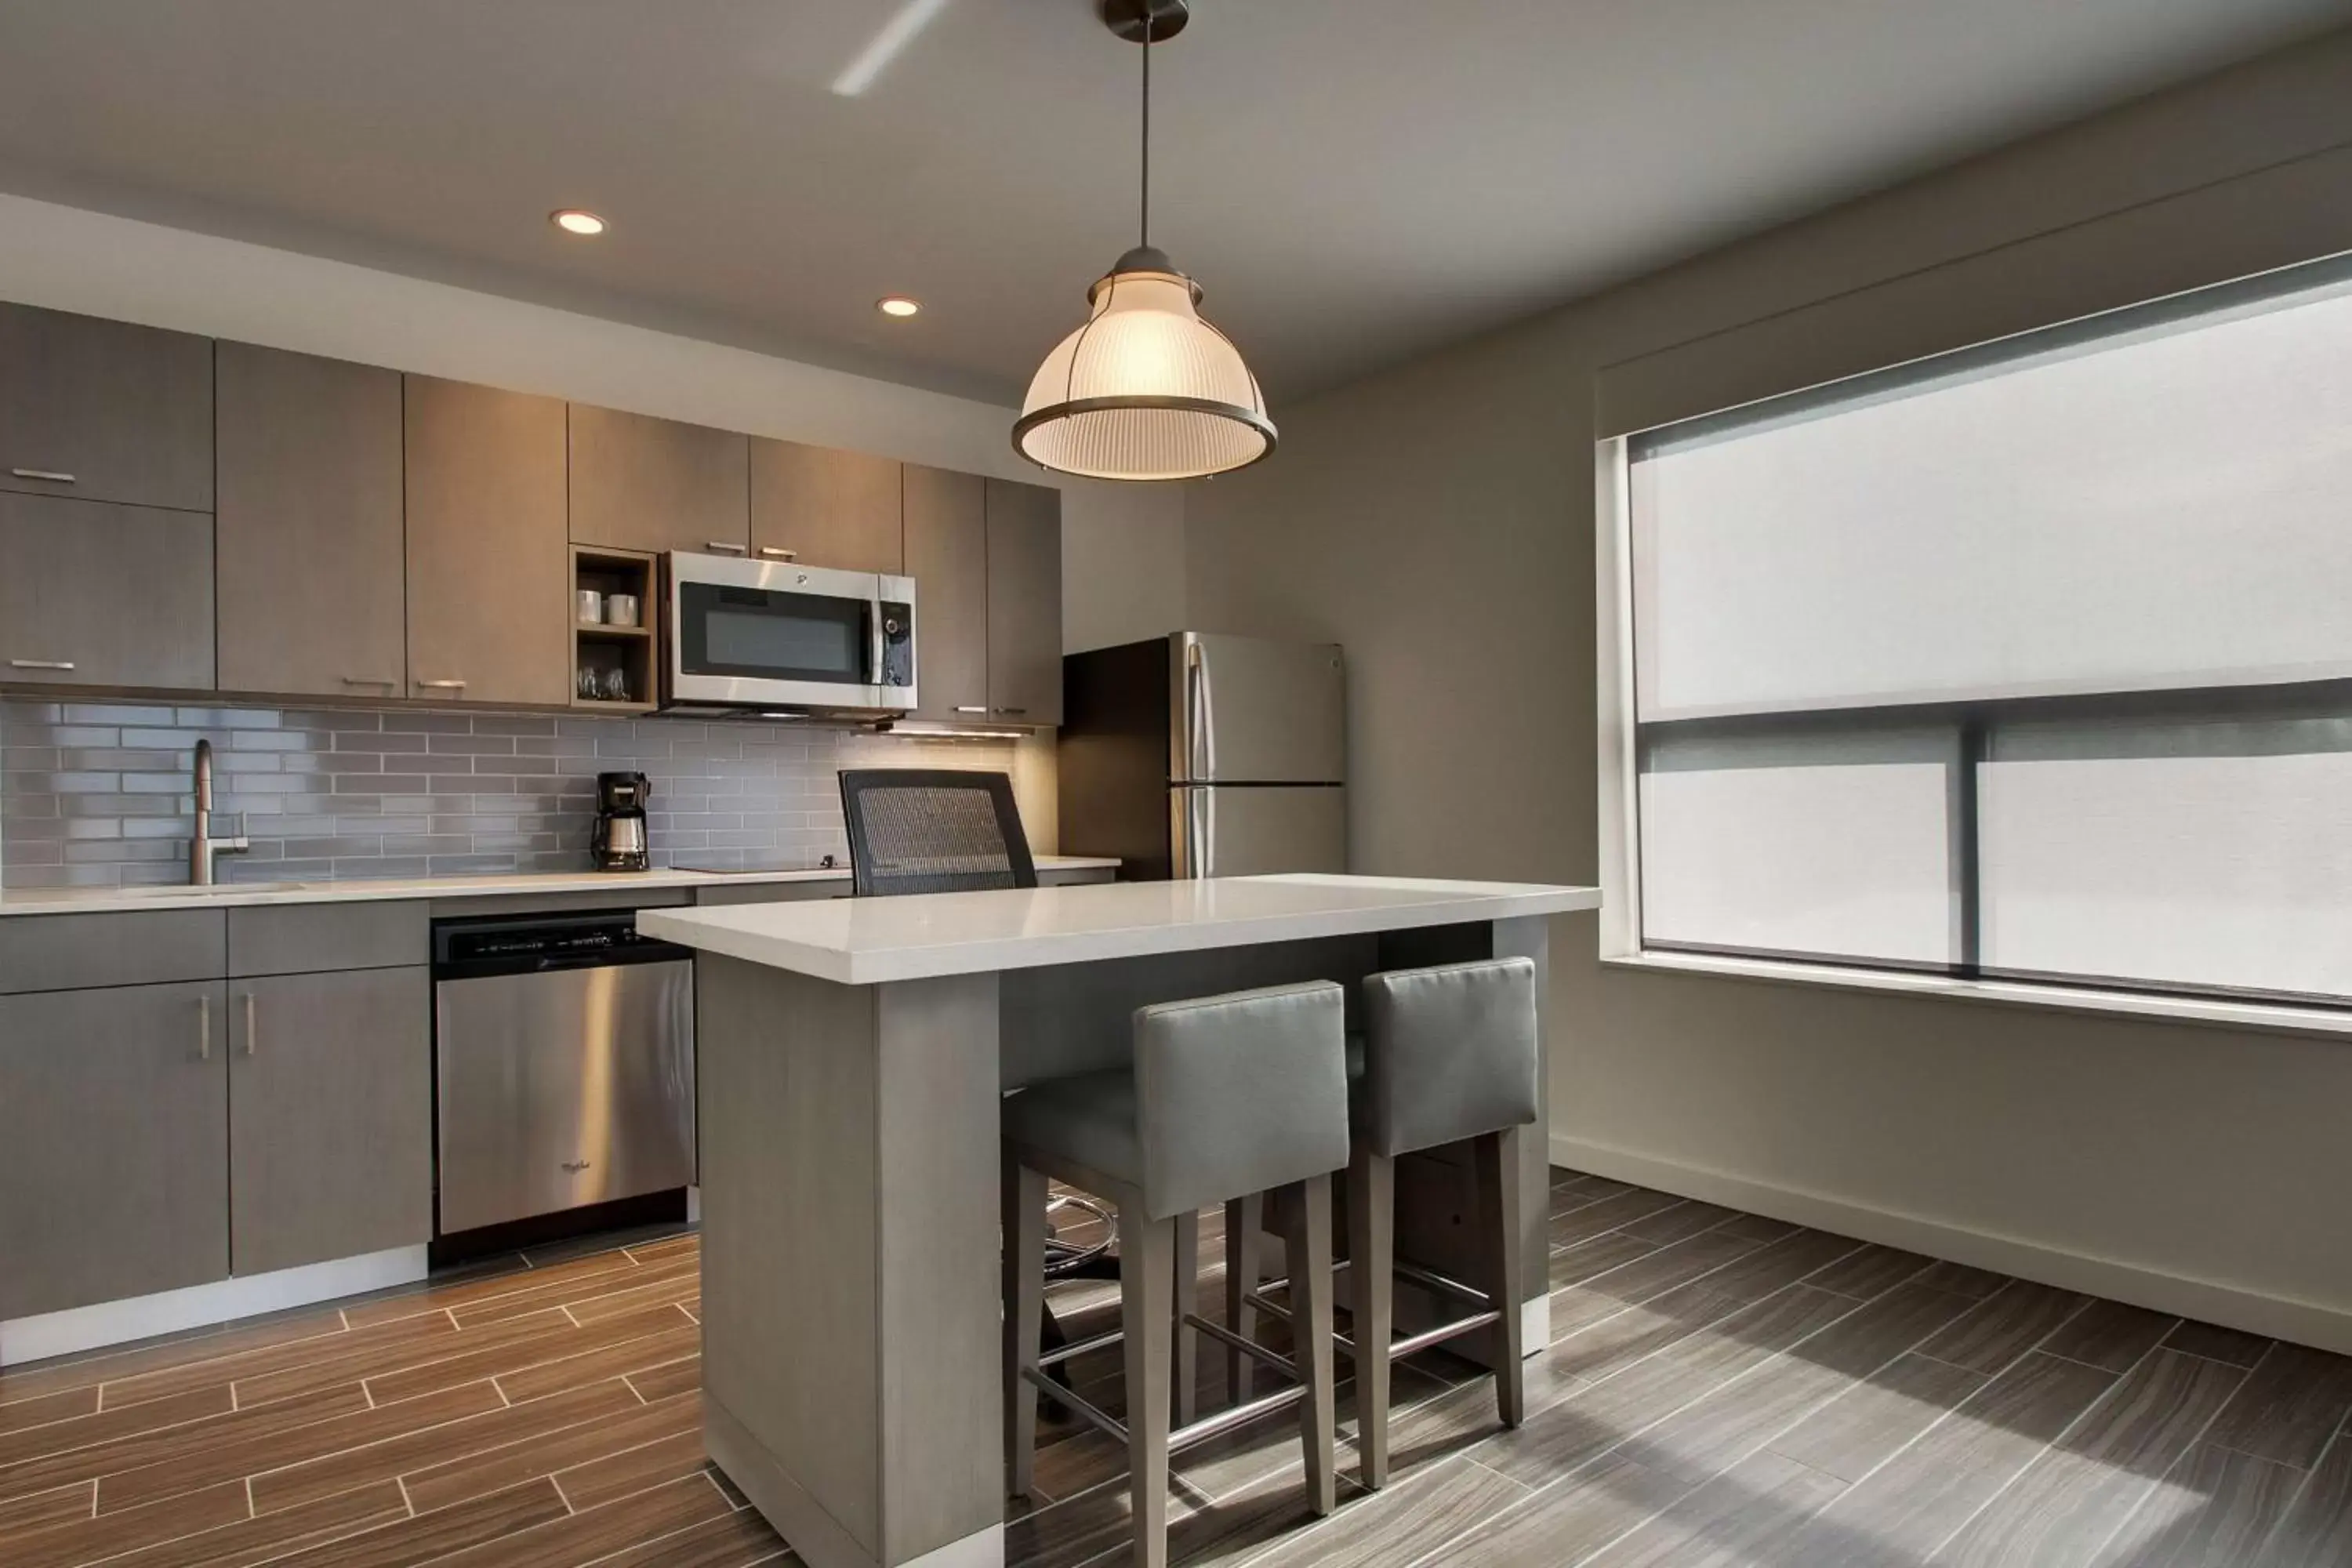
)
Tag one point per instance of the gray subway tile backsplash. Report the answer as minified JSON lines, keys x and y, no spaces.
{"x":99,"y":795}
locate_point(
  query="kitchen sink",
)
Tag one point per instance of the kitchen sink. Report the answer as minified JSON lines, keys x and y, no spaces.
{"x":217,"y":891}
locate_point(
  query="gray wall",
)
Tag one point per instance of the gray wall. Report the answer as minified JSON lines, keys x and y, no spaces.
{"x":1438,"y":519}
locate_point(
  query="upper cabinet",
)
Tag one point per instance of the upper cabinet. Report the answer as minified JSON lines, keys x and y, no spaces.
{"x":641,"y":483}
{"x":95,"y":594}
{"x":104,"y":411}
{"x":1024,"y":602}
{"x":947,"y":555}
{"x":825,"y":508}
{"x":181,"y":515}
{"x":308,"y":537}
{"x":489,"y":561}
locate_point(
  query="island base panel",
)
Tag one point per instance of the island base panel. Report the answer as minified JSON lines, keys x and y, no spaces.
{"x":850,"y":1272}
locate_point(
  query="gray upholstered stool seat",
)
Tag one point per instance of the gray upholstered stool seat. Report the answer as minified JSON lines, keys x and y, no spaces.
{"x":1227,"y":1095}
{"x":1087,"y":1118}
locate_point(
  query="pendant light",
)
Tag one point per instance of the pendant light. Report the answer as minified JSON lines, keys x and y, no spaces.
{"x":1145,"y":389}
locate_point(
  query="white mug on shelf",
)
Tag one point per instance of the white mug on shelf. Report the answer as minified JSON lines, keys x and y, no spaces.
{"x":621,"y":609}
{"x":592,"y":606}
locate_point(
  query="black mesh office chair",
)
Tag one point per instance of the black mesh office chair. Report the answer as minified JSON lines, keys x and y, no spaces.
{"x":944,"y":830}
{"x":933,"y":830}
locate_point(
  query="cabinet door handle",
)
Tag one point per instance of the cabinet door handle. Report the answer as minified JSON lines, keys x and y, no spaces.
{"x":203,"y":1028}
{"x":370,"y":681}
{"x":721,"y":546}
{"x":40,"y":664}
{"x":46,"y":475}
{"x":249,"y":1035}
{"x":774,"y":553}
{"x":1009,"y":713}
{"x":970,"y":708}
{"x":442,"y":685}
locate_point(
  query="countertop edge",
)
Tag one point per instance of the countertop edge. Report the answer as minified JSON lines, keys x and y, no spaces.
{"x":691,"y":928}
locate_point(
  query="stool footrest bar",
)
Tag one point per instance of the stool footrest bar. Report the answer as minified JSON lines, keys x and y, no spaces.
{"x":1084,"y":1407}
{"x":1218,"y":1331}
{"x":1272,"y":1308}
{"x":1438,"y":1335}
{"x":1443,"y":1286}
{"x":1080,"y":1347}
{"x":1208,"y":1426}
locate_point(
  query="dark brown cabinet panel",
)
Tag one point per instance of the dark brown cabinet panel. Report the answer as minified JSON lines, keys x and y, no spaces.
{"x":114,"y":1144}
{"x":104,"y":410}
{"x":309,"y":531}
{"x":490,"y":555}
{"x":95,"y":594}
{"x":1024,"y":602}
{"x":330,"y":1115}
{"x":823,"y":506}
{"x":947,"y":555}
{"x":641,"y":483}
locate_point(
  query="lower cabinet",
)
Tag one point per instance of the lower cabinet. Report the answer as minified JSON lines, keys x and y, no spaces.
{"x":153,"y":1137}
{"x":329,"y":1116}
{"x":114,"y":1171}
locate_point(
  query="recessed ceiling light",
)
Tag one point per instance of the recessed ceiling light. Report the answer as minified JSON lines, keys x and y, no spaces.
{"x":576,"y":220}
{"x":897,"y":305}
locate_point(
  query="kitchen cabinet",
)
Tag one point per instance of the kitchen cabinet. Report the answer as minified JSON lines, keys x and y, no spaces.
{"x":947,"y":555}
{"x":309,"y":532}
{"x":489,"y":547}
{"x":104,"y":410}
{"x":330,"y":1115}
{"x":641,"y":483}
{"x":1024,"y":602}
{"x":114,"y":1172}
{"x":826,"y":508}
{"x":96,"y":595}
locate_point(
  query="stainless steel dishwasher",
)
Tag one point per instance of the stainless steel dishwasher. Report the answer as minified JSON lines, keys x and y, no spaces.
{"x":564,"y":1065}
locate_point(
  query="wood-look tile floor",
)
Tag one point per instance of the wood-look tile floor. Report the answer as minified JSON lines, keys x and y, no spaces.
{"x":1720,"y":1390}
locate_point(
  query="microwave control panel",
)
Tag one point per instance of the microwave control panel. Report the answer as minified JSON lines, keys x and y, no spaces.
{"x":897,"y":644}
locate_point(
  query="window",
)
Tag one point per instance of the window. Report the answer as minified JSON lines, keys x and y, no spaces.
{"x":2031,"y":662}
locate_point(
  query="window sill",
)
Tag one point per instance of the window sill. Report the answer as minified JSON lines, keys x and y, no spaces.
{"x":2269,"y":1016}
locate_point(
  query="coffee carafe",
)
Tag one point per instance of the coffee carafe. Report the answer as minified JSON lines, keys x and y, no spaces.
{"x":618,"y":843}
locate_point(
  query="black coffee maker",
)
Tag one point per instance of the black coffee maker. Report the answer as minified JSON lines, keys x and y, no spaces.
{"x":618,"y":843}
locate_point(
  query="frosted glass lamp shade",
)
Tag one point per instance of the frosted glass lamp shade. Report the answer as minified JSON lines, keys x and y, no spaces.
{"x":1145,"y":390}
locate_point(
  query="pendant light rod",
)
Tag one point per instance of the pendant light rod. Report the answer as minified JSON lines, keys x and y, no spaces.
{"x":1146,"y":238}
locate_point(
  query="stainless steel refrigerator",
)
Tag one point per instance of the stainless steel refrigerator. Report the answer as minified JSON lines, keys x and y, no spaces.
{"x":1203,"y":756}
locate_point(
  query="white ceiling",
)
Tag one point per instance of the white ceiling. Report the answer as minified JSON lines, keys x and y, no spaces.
{"x":1350,"y":180}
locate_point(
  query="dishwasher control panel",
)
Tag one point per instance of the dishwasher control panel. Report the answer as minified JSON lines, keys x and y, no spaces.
{"x":525,"y":944}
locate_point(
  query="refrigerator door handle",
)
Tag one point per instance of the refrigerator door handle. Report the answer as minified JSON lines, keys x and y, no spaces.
{"x":1199,"y":739}
{"x":1195,"y":812}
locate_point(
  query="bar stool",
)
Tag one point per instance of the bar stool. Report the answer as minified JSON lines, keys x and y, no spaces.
{"x":1448,"y":1056}
{"x":1226,"y":1095}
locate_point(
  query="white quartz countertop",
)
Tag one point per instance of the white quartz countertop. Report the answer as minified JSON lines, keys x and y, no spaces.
{"x":861,"y":941}
{"x":230,"y":895}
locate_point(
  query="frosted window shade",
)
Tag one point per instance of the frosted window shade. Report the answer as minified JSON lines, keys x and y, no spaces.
{"x":2033,"y":662}
{"x":1810,"y":848}
{"x":2167,"y":511}
{"x":2214,"y":856}
{"x":1145,"y":341}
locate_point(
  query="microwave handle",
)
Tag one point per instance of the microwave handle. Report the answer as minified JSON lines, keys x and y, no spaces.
{"x":874,"y":652}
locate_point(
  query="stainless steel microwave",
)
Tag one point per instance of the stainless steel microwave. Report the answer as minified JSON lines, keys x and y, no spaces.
{"x":769,"y":635}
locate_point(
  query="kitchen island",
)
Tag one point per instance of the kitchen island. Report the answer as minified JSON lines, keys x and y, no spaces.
{"x":852,"y":1056}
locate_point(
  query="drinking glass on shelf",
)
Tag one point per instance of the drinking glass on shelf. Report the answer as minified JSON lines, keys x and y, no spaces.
{"x":585,"y":682}
{"x":616,"y":684}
